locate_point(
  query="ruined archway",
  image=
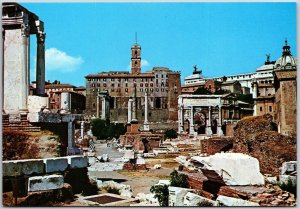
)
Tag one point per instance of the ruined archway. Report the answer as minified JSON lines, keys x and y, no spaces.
{"x":200,"y":122}
{"x":214,"y":126}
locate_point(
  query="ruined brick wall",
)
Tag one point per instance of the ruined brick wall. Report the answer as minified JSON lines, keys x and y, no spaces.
{"x":286,"y":107}
{"x":174,"y":91}
{"x":214,"y":145}
{"x":230,"y":129}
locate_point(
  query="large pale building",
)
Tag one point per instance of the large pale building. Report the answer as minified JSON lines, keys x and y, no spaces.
{"x":162,"y":84}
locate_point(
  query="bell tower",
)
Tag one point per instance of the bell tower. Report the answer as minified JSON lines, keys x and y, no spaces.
{"x":136,"y":58}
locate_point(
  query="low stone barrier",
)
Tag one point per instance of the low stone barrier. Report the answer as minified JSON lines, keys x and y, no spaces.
{"x":41,"y":183}
{"x":22,"y":167}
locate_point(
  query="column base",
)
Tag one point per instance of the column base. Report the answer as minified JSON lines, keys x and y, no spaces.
{"x":72,"y":151}
{"x":219,"y":131}
{"x":146,"y":127}
{"x":208,"y":131}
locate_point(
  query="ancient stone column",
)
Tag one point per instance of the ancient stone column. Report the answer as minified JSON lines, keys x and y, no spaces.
{"x":208,"y":127}
{"x":146,"y":124}
{"x":103,"y":112}
{"x":81,"y":128}
{"x":70,"y":138}
{"x":134,"y":118}
{"x":192,"y":121}
{"x":97,"y":107}
{"x":180,"y":119}
{"x":219,"y":130}
{"x":40,"y":60}
{"x":129,"y":110}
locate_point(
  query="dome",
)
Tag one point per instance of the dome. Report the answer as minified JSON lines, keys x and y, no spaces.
{"x":286,"y":61}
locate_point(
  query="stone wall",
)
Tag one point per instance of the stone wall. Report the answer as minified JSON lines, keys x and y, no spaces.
{"x":215,"y":145}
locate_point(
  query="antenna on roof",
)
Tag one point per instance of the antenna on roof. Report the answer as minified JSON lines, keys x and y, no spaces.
{"x":136,"y":37}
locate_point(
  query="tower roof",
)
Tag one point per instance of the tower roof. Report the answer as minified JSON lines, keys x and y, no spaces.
{"x":286,"y":61}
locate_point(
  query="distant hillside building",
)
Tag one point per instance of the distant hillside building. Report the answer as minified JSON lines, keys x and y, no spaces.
{"x":162,"y":84}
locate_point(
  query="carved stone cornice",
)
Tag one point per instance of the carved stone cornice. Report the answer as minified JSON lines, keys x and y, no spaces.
{"x":25,"y":29}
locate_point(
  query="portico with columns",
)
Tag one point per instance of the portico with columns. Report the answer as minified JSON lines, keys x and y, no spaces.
{"x":17,"y":25}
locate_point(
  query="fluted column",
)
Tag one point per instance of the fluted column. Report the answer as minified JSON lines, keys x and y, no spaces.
{"x":103,"y":111}
{"x":219,"y":130}
{"x":40,"y":60}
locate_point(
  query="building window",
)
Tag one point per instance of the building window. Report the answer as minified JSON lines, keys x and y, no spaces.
{"x":142,"y":79}
{"x":126,"y":79}
{"x":104,"y":79}
{"x":162,"y":90}
{"x":141,"y":90}
{"x":141,"y":85}
{"x":158,"y":103}
{"x":162,"y":84}
{"x":119,"y":85}
{"x":260,"y":109}
{"x":94,"y":105}
{"x":156,"y":76}
{"x":270,"y":108}
{"x":146,"y":84}
{"x":112,"y":90}
{"x":104,"y":85}
{"x":151,"y":90}
{"x":126,"y":84}
{"x":112,"y":79}
{"x":112,"y":85}
{"x":162,"y":76}
{"x":157,"y":89}
{"x":126,"y":89}
{"x":98,"y":84}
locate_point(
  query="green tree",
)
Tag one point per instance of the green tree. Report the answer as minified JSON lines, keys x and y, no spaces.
{"x":178,"y":180}
{"x":99,"y":129}
{"x":202,"y":91}
{"x":161,"y":193}
{"x":171,"y":133}
{"x":221,"y":91}
{"x":245,"y":98}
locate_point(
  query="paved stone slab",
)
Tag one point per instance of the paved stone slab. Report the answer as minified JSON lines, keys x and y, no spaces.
{"x":22,"y":167}
{"x":230,"y":201}
{"x":55,"y":164}
{"x":191,"y":199}
{"x":176,"y":195}
{"x":40,"y":183}
{"x":77,"y":161}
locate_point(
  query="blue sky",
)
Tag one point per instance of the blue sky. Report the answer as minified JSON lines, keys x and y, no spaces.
{"x":221,"y":38}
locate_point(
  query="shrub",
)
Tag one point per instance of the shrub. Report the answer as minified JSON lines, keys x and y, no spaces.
{"x":161,"y":193}
{"x":171,"y":133}
{"x":103,"y":129}
{"x":289,"y":186}
{"x":111,"y":189}
{"x":178,"y":180}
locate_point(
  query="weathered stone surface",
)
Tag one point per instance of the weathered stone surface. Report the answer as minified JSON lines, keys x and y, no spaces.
{"x":164,"y":182}
{"x":20,"y":167}
{"x":146,"y":200}
{"x":258,"y":137}
{"x":286,"y":178}
{"x":231,"y":201}
{"x":55,"y":164}
{"x":40,"y":183}
{"x":77,"y":161}
{"x":234,"y":168}
{"x":36,"y":103}
{"x":288,"y":167}
{"x":176,"y":195}
{"x":124,"y":190}
{"x":191,"y":199}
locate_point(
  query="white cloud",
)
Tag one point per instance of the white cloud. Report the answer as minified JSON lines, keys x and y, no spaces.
{"x":57,"y":60}
{"x":144,"y":63}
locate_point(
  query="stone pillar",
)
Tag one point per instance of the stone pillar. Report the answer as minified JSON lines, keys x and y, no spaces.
{"x":192,"y":121}
{"x":129,"y":110}
{"x":40,"y":60}
{"x":254,"y":86}
{"x":103,"y":111}
{"x":219,"y":130}
{"x":97,"y":107}
{"x":81,"y":128}
{"x":146,"y":124}
{"x":180,"y":119}
{"x":70,"y":150}
{"x":134,"y":106}
{"x":208,"y":127}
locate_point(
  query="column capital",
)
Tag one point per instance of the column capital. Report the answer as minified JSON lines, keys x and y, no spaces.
{"x":25,"y":30}
{"x":41,"y":36}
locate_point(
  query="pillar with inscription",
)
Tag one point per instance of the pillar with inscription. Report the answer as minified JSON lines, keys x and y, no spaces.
{"x":146,"y":123}
{"x":208,"y":123}
{"x":40,"y":61}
